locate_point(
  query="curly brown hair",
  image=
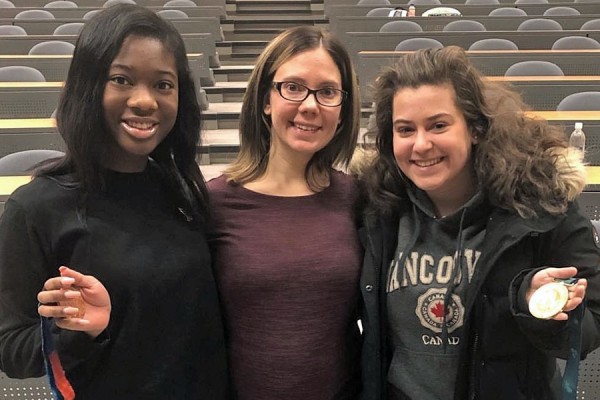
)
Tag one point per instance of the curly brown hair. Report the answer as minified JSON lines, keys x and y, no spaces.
{"x":521,"y":163}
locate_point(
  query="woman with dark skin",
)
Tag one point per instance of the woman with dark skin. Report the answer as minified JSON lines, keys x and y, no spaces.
{"x":112,"y":236}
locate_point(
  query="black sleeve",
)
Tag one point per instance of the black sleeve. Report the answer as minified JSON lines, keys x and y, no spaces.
{"x":572,"y":243}
{"x":22,"y":276}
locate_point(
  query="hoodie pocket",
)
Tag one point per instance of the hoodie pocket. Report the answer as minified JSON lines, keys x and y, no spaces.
{"x":423,"y":376}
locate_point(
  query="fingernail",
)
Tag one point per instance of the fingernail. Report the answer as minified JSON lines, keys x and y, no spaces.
{"x":67,"y":280}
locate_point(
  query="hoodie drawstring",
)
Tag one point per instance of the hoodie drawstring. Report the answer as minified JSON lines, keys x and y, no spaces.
{"x":452,"y":284}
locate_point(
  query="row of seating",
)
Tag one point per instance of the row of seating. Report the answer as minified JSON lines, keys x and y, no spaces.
{"x":332,"y":10}
{"x":98,"y":3}
{"x":80,"y":12}
{"x":453,"y":2}
{"x":561,"y":11}
{"x":341,"y":24}
{"x":107,"y":3}
{"x":389,"y":41}
{"x":467,"y":2}
{"x":45,"y":14}
{"x":182,"y":22}
{"x":471,"y":25}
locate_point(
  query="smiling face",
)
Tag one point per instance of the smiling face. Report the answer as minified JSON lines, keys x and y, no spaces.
{"x":140,"y":102}
{"x":433,"y":144}
{"x":300,"y":129}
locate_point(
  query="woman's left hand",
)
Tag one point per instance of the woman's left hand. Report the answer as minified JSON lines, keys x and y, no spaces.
{"x":576,"y":291}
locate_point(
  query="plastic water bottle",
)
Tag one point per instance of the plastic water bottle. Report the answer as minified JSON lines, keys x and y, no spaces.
{"x":577,"y":138}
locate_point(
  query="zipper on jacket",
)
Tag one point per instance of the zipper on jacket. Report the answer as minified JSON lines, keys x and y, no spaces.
{"x":473,"y":373}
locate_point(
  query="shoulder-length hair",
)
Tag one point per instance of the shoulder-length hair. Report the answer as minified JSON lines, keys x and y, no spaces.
{"x":80,"y":114}
{"x":519,"y":161}
{"x":255,"y":126}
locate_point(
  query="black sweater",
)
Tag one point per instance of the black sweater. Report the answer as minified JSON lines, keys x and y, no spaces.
{"x":165,"y":336}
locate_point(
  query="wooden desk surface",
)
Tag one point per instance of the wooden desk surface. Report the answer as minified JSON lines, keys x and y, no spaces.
{"x":50,"y":57}
{"x":593,"y":175}
{"x":541,"y":78}
{"x":525,"y":51}
{"x":32,"y":123}
{"x":30,"y":85}
{"x":27,"y":123}
{"x":9,"y":183}
{"x":566,"y":115}
{"x":34,"y":57}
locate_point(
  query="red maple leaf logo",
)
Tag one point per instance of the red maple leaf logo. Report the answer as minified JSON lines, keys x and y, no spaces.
{"x":438,"y":310}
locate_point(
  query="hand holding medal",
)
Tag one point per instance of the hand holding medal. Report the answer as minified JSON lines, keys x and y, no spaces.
{"x":554,"y":292}
{"x":76,"y":302}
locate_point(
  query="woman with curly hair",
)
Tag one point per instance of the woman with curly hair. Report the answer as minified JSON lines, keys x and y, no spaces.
{"x":472,"y":209}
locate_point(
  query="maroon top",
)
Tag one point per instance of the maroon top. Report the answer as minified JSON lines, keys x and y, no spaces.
{"x":288,"y":273}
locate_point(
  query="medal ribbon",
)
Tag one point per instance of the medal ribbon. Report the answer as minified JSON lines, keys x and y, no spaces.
{"x":571,"y":375}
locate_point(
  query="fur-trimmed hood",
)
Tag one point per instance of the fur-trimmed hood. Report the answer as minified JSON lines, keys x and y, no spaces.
{"x":572,"y":173}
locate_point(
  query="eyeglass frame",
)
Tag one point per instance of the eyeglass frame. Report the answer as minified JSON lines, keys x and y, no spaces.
{"x":309,"y":91}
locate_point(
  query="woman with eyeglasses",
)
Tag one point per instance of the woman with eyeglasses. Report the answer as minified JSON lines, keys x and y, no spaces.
{"x":285,"y":245}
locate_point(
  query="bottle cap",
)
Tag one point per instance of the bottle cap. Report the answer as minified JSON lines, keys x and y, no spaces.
{"x":579,"y":125}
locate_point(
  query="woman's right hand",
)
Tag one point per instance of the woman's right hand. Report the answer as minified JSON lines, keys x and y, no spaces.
{"x":76,"y":302}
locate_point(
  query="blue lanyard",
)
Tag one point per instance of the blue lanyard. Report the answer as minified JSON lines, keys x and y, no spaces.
{"x":571,"y":374}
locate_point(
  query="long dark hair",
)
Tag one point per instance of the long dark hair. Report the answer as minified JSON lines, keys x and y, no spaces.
{"x":80,"y":114}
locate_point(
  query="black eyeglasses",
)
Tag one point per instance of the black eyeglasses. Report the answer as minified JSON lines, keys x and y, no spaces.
{"x":297,"y":92}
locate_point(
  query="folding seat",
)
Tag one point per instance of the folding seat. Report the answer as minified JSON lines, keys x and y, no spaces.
{"x":90,"y":14}
{"x":534,"y":67}
{"x":561,"y":11}
{"x":20,"y":73}
{"x":413,"y":44}
{"x":592,"y":24}
{"x":109,"y":3}
{"x":12,"y":30}
{"x":6,"y":4}
{"x":425,"y":2}
{"x":576,"y":43}
{"x":539,"y":24}
{"x":172,"y":14}
{"x":71,"y":28}
{"x":493,"y":44}
{"x":373,"y":2}
{"x":582,"y":101}
{"x":52,"y":47}
{"x":401,"y":26}
{"x":464,"y":25}
{"x":379,"y":12}
{"x":34,"y":14}
{"x":26,"y":161}
{"x":180,"y":3}
{"x":507,"y":12}
{"x":61,"y":4}
{"x":482,"y":2}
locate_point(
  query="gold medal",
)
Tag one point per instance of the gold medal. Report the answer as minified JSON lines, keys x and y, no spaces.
{"x":548,"y":300}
